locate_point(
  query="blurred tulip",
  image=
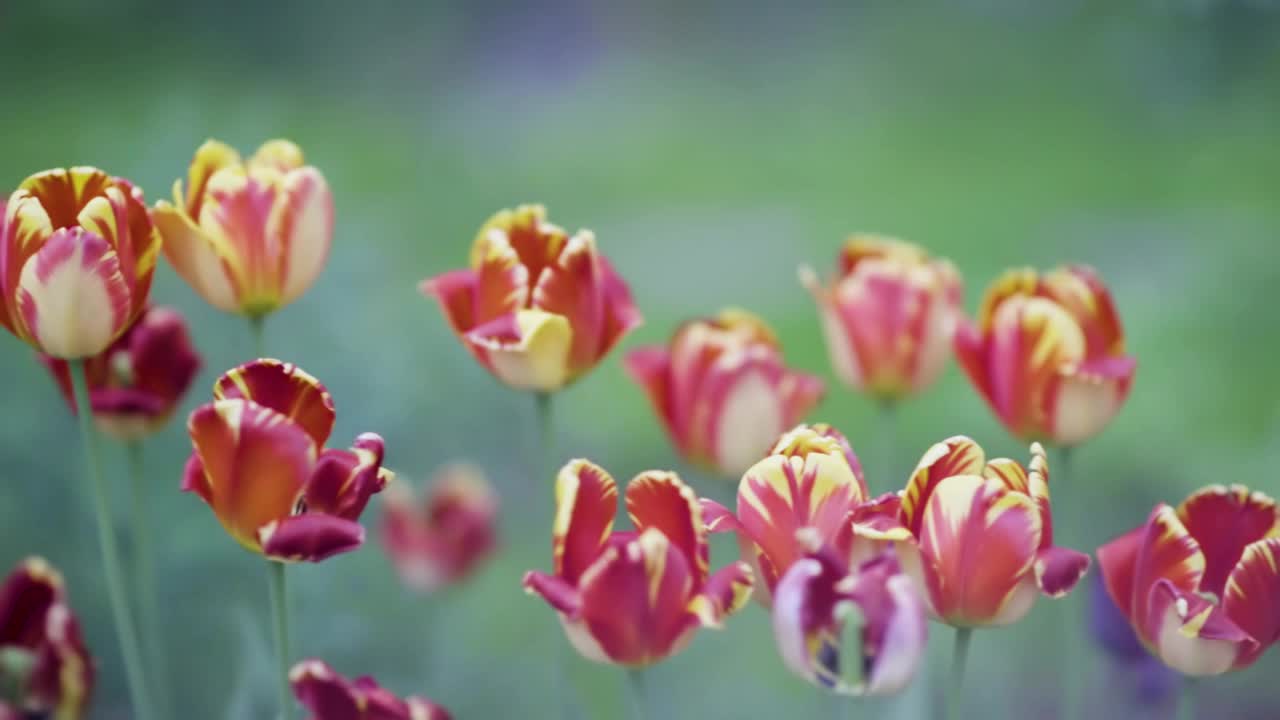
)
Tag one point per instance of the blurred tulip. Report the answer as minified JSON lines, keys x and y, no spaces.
{"x":1201,"y":584}
{"x":633,"y":598}
{"x":77,"y":252}
{"x":45,"y":670}
{"x":249,"y":237}
{"x":810,"y":482}
{"x":439,"y":541}
{"x":538,"y":308}
{"x":888,"y":315}
{"x":329,"y":696}
{"x":137,"y":382}
{"x":1048,"y":354}
{"x":955,"y":502}
{"x":259,"y":461}
{"x":721,"y":390}
{"x":821,"y":593}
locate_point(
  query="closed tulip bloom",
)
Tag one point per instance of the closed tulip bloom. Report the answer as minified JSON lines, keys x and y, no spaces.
{"x":955,"y":502}
{"x":330,"y":696}
{"x":137,"y":382}
{"x":633,"y":597}
{"x":1047,"y":353}
{"x":259,"y":461}
{"x":248,"y":236}
{"x":77,"y":252}
{"x":721,"y":390}
{"x":888,"y":315}
{"x":821,"y":594}
{"x":810,"y":482}
{"x":537,"y":307}
{"x":45,"y":670}
{"x":440,"y":539}
{"x":1201,"y":583}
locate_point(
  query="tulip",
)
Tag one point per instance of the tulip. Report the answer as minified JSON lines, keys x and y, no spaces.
{"x":249,"y":237}
{"x":633,"y":598}
{"x":45,"y":670}
{"x":809,"y":483}
{"x":888,"y":315}
{"x":77,"y":252}
{"x":259,"y":461}
{"x":1047,"y":354}
{"x":721,"y":390}
{"x":1200,"y":584}
{"x":538,"y":307}
{"x":329,"y":696}
{"x":955,"y":502}
{"x":821,"y":593}
{"x":439,"y":542}
{"x":137,"y":382}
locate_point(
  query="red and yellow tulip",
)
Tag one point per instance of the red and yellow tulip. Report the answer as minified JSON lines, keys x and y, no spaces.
{"x":259,"y":461}
{"x":538,"y":307}
{"x":43,"y":660}
{"x":248,"y":236}
{"x":1048,"y":355}
{"x":721,"y":390}
{"x":330,"y":696}
{"x":77,"y":252}
{"x":137,"y":382}
{"x":633,"y":597}
{"x":888,"y":315}
{"x":1201,"y":583}
{"x":440,"y":540}
{"x":956,"y":501}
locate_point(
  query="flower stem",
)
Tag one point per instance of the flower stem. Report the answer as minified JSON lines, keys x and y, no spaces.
{"x":145,"y":579}
{"x":1073,"y":643}
{"x":541,"y":470}
{"x":959,"y":656}
{"x":1187,"y":699}
{"x":546,"y":435}
{"x":636,"y":693}
{"x":280,"y":623}
{"x":125,"y":631}
{"x":257,"y":329}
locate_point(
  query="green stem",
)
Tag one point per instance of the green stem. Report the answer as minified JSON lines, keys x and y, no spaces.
{"x":280,"y":624}
{"x":546,"y":435}
{"x":959,"y":656}
{"x":145,"y":571}
{"x":125,"y":631}
{"x":257,"y":329}
{"x":1187,"y":699}
{"x":1069,"y":500}
{"x":636,"y":693}
{"x":542,"y":472}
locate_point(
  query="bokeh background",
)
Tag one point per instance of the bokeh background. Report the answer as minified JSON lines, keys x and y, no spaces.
{"x":713,"y":147}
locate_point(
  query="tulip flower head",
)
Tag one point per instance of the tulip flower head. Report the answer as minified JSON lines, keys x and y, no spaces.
{"x":633,"y":597}
{"x":259,"y":461}
{"x":810,"y":483}
{"x":329,"y":696}
{"x":538,"y":307}
{"x":45,"y":670}
{"x":77,"y":252}
{"x":955,"y":502}
{"x":137,"y":382}
{"x":887,"y":316}
{"x":1047,"y":353}
{"x":248,"y":236}
{"x":721,"y":390}
{"x":439,"y":541}
{"x":1201,"y":583}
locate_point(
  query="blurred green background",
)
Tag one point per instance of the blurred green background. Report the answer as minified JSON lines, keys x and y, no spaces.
{"x":712,"y":149}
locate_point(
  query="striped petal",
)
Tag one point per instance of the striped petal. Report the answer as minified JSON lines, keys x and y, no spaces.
{"x":572,"y":287}
{"x":1224,"y":521}
{"x":1166,"y":554}
{"x":970,"y":349}
{"x":726,"y":592}
{"x":238,"y":211}
{"x":344,"y":480}
{"x":1252,"y":597}
{"x":64,"y":192}
{"x":1080,"y":290}
{"x":198,"y":257}
{"x":650,"y":368}
{"x":1082,"y":399}
{"x":621,"y":315}
{"x":954,"y":456}
{"x":281,"y":155}
{"x":72,"y":299}
{"x":741,"y":408}
{"x":1031,"y":340}
{"x":209,"y":158}
{"x":502,"y":283}
{"x":586,"y":503}
{"x":1191,"y":634}
{"x":24,"y":227}
{"x":304,"y":223}
{"x":456,"y":293}
{"x":717,"y":518}
{"x":310,"y":537}
{"x":844,"y":357}
{"x":528,"y":350}
{"x":660,"y":500}
{"x":285,"y":388}
{"x":1032,"y":481}
{"x":1059,"y":569}
{"x":536,"y":241}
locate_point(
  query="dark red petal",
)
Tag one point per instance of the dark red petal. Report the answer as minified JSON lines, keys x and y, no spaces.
{"x":1224,"y":521}
{"x":285,"y":388}
{"x":310,"y":537}
{"x":661,"y":500}
{"x":586,"y":503}
{"x":559,"y":594}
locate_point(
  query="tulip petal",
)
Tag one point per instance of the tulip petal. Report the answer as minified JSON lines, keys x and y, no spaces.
{"x":63,"y":192}
{"x":344,"y":480}
{"x":1082,"y":399}
{"x":650,"y":368}
{"x":571,"y":287}
{"x":310,"y":537}
{"x":238,"y":211}
{"x":727,"y":591}
{"x":73,"y":300}
{"x":209,"y":158}
{"x":1032,"y":482}
{"x":1079,"y":289}
{"x":1168,"y":554}
{"x":196,"y":256}
{"x":805,"y":625}
{"x":285,"y":388}
{"x":25,"y":599}
{"x":324,"y":692}
{"x":1224,"y":521}
{"x":281,"y":155}
{"x":800,"y":393}
{"x":586,"y":503}
{"x":954,"y":456}
{"x":502,"y":284}
{"x":456,"y":293}
{"x":662,"y":501}
{"x":621,"y":315}
{"x":1194,"y":636}
{"x":560,"y":595}
{"x":717,"y":518}
{"x":895,"y":635}
{"x":1118,"y":562}
{"x":1252,"y":595}
{"x":24,"y":227}
{"x":742,"y":408}
{"x":304,"y":223}
{"x":526,"y":230}
{"x":844,"y":358}
{"x":1031,"y":341}
{"x":1059,"y":569}
{"x":528,"y":350}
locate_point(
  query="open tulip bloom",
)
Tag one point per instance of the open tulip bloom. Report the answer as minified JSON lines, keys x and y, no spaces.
{"x":45,"y":670}
{"x":888,"y":315}
{"x":77,"y":253}
{"x":1047,"y":353}
{"x":633,"y":597}
{"x":721,"y":390}
{"x":248,"y":236}
{"x":329,"y":696}
{"x":1201,"y":583}
{"x":537,"y":307}
{"x":260,"y":463}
